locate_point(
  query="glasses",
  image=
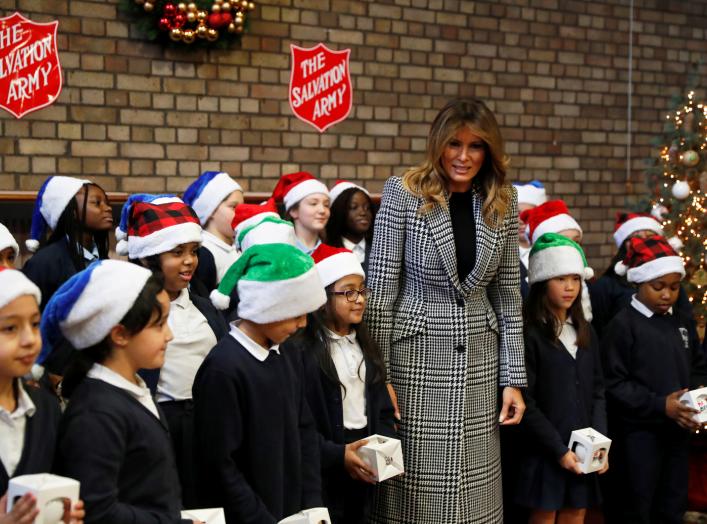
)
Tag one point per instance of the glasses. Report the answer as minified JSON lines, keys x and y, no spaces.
{"x":353,"y":294}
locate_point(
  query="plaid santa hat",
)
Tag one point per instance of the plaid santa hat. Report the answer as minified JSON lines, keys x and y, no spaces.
{"x":532,"y":193}
{"x":344,"y":185}
{"x":274,"y":282}
{"x":629,"y":223}
{"x":79,"y":310}
{"x":207,"y":192}
{"x":334,"y":263}
{"x":52,"y":199}
{"x":260,"y":224}
{"x":154,"y":224}
{"x":554,"y":255}
{"x":293,"y":187}
{"x":14,"y":284}
{"x":649,"y":258}
{"x":7,"y":240}
{"x":550,"y":217}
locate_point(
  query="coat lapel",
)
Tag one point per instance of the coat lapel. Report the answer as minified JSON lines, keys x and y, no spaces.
{"x":486,"y":240}
{"x":440,"y":224}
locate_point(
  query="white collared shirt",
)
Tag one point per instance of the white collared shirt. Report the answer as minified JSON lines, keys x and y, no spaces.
{"x":139,"y":391}
{"x":358,"y":249}
{"x":643,"y":309}
{"x":193,"y":339}
{"x":568,"y":337}
{"x":250,"y":345}
{"x":524,"y":255}
{"x":348,"y":360}
{"x":224,"y":254}
{"x":12,"y":429}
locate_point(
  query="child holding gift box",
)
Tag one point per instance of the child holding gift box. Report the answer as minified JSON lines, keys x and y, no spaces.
{"x":256,"y":444}
{"x":345,"y":383}
{"x":565,"y":386}
{"x":650,"y":360}
{"x":112,"y":438}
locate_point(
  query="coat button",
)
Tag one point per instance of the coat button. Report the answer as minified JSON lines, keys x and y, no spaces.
{"x":460,"y":349}
{"x":460,"y":302}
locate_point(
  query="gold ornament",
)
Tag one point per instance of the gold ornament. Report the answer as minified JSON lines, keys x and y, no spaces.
{"x":181,"y":6}
{"x":251,"y":6}
{"x":211,"y":34}
{"x":148,"y":6}
{"x":244,"y":4}
{"x":188,"y":36}
{"x":225,"y":6}
{"x":191,"y":16}
{"x":699,"y":278}
{"x":231,"y":27}
{"x":191,"y":6}
{"x":176,"y":34}
{"x":201,"y":16}
{"x":201,"y":31}
{"x":215,"y":8}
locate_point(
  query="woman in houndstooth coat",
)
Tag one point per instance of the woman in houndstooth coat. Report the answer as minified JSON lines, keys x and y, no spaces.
{"x":446,"y":312}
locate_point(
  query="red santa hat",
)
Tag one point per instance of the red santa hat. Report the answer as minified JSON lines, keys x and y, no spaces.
{"x":293,"y":187}
{"x":550,"y":217}
{"x":334,"y":263}
{"x":629,"y":223}
{"x":343,"y":185}
{"x":255,"y":224}
{"x":649,"y":258}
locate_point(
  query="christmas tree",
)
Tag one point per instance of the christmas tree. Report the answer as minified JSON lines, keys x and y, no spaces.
{"x":678,"y":185}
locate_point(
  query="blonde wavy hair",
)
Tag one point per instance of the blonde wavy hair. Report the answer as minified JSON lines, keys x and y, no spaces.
{"x":429,"y":179}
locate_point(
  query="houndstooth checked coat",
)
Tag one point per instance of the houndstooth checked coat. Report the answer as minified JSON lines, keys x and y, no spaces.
{"x":448,"y":345}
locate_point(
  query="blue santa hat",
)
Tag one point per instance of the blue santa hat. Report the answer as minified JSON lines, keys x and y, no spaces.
{"x":207,"y":192}
{"x":121,"y":231}
{"x":52,"y":199}
{"x":79,"y":310}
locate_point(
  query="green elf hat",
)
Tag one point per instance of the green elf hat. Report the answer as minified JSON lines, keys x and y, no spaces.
{"x":555,"y":255}
{"x":274,"y":282}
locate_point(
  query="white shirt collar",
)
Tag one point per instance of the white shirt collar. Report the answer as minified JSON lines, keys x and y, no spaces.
{"x":217,"y":242}
{"x":643,"y":309}
{"x":351,"y":337}
{"x":250,"y":345}
{"x":100,"y":372}
{"x":182,"y":299}
{"x":25,"y":406}
{"x":351,"y":245}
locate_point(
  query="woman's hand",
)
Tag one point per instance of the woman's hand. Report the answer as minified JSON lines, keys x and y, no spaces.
{"x":23,"y":512}
{"x":355,"y":466}
{"x":570,"y":462}
{"x":513,"y":406}
{"x":394,"y":400}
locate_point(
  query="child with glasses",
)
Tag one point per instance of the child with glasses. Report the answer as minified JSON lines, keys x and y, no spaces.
{"x":345,"y":385}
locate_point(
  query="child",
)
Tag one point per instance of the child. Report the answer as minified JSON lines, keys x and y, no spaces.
{"x":565,"y":389}
{"x":112,"y":437}
{"x":163,"y":234}
{"x":650,"y":360}
{"x":530,"y":195}
{"x":214,"y":197}
{"x":29,"y":416}
{"x":9,"y":250}
{"x":306,"y":202}
{"x":345,"y":385}
{"x":351,"y":220}
{"x":260,"y":224}
{"x":256,"y":444}
{"x":80,"y":218}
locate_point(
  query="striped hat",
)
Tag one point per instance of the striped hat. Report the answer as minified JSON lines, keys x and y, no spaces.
{"x":649,"y":258}
{"x":260,"y":224}
{"x":629,"y":223}
{"x":555,"y":255}
{"x":207,"y":192}
{"x":292,"y":188}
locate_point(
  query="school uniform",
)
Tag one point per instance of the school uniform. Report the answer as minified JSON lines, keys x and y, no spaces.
{"x":565,"y":392}
{"x":28,"y":435}
{"x":50,"y":267}
{"x":114,"y":440}
{"x":337,"y":424}
{"x":224,"y":254}
{"x":361,"y":249}
{"x":205,"y":273}
{"x":646,"y":358}
{"x":256,"y":444}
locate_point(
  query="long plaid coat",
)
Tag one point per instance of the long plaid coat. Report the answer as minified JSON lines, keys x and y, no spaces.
{"x":448,"y":345}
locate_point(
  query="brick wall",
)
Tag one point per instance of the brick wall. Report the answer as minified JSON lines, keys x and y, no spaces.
{"x":134,"y":116}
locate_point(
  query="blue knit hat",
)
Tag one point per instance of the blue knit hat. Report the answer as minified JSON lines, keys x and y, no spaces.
{"x":88,"y":305}
{"x":207,"y":192}
{"x":52,"y":199}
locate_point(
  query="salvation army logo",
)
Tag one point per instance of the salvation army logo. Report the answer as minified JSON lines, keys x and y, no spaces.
{"x":320,"y":85}
{"x":30,"y":74}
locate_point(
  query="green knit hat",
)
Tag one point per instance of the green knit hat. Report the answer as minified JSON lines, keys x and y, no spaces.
{"x":274,"y":282}
{"x":554,"y":255}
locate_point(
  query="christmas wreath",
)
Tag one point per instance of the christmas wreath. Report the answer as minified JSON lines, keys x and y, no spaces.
{"x":209,"y":22}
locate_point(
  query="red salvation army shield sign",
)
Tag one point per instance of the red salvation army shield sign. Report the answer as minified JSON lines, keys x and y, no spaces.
{"x":320,"y":85}
{"x":30,"y":74}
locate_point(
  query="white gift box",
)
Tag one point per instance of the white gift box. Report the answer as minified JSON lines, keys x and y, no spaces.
{"x":591,"y":448}
{"x":697,"y":399}
{"x":384,"y":455}
{"x":309,"y":516}
{"x":50,"y":491}
{"x":209,"y":515}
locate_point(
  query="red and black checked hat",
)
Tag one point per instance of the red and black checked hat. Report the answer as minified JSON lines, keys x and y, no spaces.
{"x":649,"y":258}
{"x":629,"y":223}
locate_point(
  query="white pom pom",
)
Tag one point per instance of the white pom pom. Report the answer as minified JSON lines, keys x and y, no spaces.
{"x":219,"y":300}
{"x":32,"y":244}
{"x":588,"y":273}
{"x":120,"y":234}
{"x":620,"y":269}
{"x":37,"y":371}
{"x":121,"y":248}
{"x":676,"y":243}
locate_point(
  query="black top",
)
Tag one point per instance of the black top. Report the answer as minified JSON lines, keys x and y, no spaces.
{"x":40,"y":436}
{"x":646,"y":359}
{"x":49,"y":268}
{"x":122,"y":455}
{"x":461,"y":209}
{"x":255,"y":442}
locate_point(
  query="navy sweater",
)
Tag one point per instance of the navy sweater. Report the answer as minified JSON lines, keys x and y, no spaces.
{"x":646,"y":359}
{"x":256,"y":445}
{"x":122,"y":455}
{"x":40,"y":436}
{"x":49,"y":268}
